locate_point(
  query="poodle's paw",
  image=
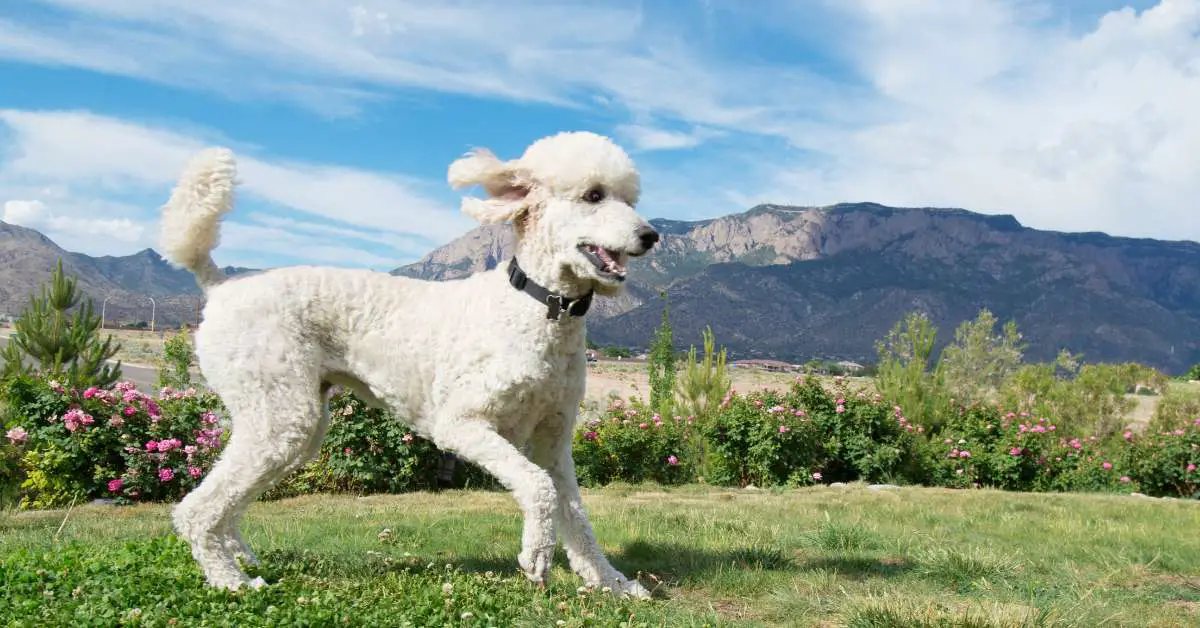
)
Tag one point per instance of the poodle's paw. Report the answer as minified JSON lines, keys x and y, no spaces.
{"x":536,"y":564}
{"x":633,"y":589}
{"x":242,"y":552}
{"x":233,"y":582}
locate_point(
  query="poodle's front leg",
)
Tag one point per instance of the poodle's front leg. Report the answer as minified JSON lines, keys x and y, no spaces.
{"x":478,"y":442}
{"x":551,"y":448}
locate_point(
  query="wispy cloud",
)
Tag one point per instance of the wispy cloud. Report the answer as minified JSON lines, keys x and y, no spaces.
{"x":1071,"y":114}
{"x":1008,"y":107}
{"x":645,"y":137}
{"x":79,"y":157}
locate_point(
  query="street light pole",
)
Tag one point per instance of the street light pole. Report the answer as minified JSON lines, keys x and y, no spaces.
{"x":103,"y":311}
{"x":153,"y":308}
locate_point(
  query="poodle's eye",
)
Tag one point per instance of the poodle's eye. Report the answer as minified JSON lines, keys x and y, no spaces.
{"x":594,"y":195}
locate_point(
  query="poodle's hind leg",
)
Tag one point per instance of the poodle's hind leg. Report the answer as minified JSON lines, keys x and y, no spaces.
{"x":271,"y":433}
{"x":232,"y":532}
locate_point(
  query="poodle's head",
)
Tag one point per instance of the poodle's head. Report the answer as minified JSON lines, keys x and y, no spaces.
{"x":571,"y":199}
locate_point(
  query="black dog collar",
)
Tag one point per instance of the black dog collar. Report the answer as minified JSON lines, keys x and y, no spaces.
{"x":556,"y":304}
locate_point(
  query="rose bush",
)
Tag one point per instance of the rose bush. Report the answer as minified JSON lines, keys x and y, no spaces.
{"x":62,"y":445}
{"x":114,"y":442}
{"x":631,"y":443}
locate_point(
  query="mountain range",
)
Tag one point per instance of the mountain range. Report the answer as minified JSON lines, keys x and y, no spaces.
{"x":797,"y":283}
{"x":792,"y":283}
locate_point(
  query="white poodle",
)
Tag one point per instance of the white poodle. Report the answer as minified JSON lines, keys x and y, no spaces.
{"x":485,"y":367}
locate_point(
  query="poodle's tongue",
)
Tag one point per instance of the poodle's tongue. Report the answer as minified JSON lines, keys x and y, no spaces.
{"x":609,"y":259}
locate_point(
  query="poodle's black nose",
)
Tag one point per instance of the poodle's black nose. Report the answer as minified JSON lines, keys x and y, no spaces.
{"x":648,"y":236}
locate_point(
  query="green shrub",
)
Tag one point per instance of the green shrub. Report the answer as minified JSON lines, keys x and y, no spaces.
{"x":1178,"y":407}
{"x":985,"y":446}
{"x":1088,"y":399}
{"x":811,"y":434}
{"x":631,"y":443}
{"x":1168,"y":462}
{"x":174,"y":369}
{"x":367,"y":450}
{"x":108,"y":442}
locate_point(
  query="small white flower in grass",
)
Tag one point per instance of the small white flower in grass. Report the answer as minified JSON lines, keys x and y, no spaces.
{"x":447,"y":588}
{"x":466,"y":615}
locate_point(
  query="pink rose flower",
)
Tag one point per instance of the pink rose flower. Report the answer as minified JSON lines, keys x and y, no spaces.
{"x":17,"y":435}
{"x":672,"y":460}
{"x":115,"y":485}
{"x":165,"y":474}
{"x":1107,"y":466}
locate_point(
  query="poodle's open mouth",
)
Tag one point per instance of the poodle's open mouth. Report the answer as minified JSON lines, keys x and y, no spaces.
{"x":606,"y":261}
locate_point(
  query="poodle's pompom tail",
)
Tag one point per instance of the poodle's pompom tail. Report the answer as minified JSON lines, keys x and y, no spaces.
{"x":191,"y":217}
{"x":503,"y":184}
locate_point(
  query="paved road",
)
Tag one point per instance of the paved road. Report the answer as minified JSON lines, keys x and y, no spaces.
{"x":142,"y":377}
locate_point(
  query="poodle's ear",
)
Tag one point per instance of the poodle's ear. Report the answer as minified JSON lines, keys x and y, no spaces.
{"x":505,"y":187}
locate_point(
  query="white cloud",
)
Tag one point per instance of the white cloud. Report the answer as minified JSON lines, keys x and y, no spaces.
{"x":250,"y":245}
{"x":104,"y":157}
{"x":108,"y":235}
{"x":998,"y":108}
{"x":1067,"y":114}
{"x":649,"y":138}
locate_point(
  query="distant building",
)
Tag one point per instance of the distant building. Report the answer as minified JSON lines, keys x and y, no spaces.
{"x":850,"y":367}
{"x":768,"y":365}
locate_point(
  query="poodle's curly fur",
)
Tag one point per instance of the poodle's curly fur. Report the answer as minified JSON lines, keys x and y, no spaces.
{"x":474,"y":365}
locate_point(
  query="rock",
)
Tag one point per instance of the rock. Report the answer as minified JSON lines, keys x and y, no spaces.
{"x":837,"y":484}
{"x":1140,"y":495}
{"x":878,"y":487}
{"x":103,"y":501}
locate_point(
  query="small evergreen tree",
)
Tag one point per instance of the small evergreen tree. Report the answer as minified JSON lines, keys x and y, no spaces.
{"x":63,"y":346}
{"x":661,"y":365}
{"x":704,"y":383}
{"x":907,"y":374}
{"x":975,"y":366}
{"x":174,"y":367}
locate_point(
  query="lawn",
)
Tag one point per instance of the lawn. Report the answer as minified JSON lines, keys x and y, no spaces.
{"x":826,"y":556}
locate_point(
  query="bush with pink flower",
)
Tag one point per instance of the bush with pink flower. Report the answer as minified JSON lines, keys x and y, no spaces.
{"x":809,"y":434}
{"x":631,"y":443}
{"x":116,"y":442}
{"x":1166,"y":462}
{"x":367,"y":450}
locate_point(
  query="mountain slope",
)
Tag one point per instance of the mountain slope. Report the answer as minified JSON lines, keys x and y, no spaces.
{"x":798,"y":282}
{"x":127,"y":283}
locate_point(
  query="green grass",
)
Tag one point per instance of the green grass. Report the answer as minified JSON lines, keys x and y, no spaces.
{"x":813,"y":557}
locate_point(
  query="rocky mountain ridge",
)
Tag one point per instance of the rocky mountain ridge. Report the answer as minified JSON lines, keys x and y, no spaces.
{"x":802,"y":282}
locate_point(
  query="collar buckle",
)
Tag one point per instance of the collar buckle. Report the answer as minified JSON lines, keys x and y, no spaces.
{"x":556,"y":304}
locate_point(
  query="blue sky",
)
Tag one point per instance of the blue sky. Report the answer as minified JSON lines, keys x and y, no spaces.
{"x":1072,"y":114}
